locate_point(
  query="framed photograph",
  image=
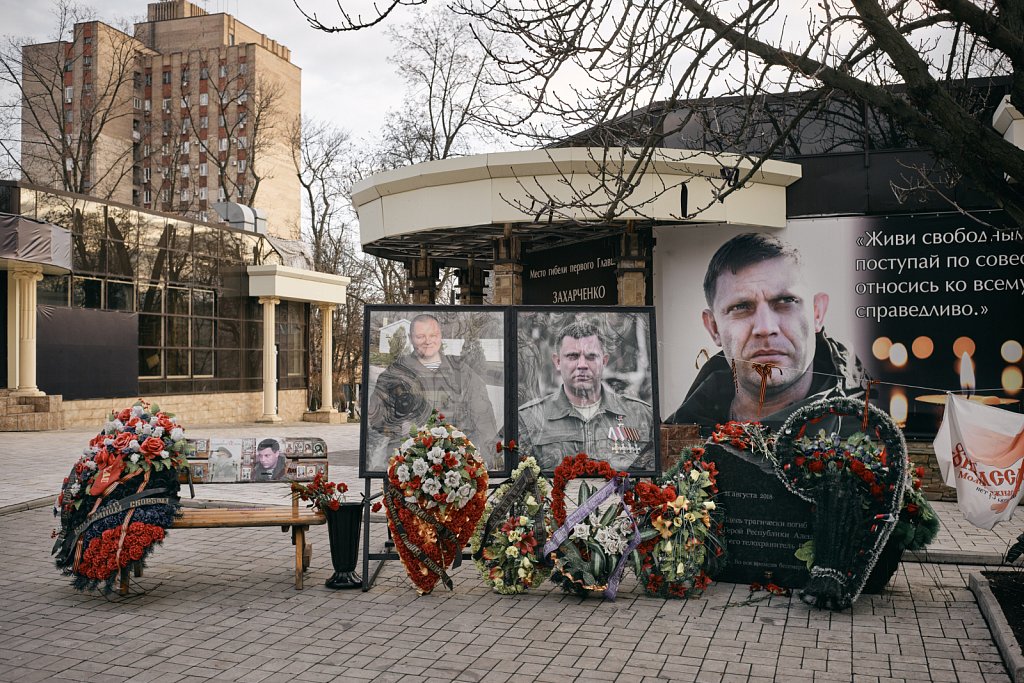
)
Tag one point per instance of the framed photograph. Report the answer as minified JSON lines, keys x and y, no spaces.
{"x":586,"y":381}
{"x":418,"y":359}
{"x":225,"y":462}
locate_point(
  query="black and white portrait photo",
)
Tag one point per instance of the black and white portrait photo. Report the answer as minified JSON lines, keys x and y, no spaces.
{"x":449,"y":359}
{"x":586,"y":384}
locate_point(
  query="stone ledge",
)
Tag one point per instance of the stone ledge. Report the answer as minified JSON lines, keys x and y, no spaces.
{"x":998,"y":626}
{"x":323,"y":417}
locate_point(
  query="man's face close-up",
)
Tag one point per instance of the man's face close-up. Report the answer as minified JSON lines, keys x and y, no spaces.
{"x":765,"y":313}
{"x":267,"y":457}
{"x":581,"y":363}
{"x":426,"y":340}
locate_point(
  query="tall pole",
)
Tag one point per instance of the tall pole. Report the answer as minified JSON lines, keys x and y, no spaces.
{"x":269,"y":361}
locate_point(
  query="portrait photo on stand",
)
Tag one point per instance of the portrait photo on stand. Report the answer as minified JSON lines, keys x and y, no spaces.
{"x":586,"y":382}
{"x":419,"y":359}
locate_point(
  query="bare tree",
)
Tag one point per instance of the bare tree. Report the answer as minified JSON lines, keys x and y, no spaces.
{"x":628,"y":67}
{"x":61,"y":104}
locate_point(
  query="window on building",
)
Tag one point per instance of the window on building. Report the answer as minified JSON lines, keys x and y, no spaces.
{"x":242,"y":97}
{"x":86,"y":60}
{"x":167,"y":78}
{"x":147,"y":196}
{"x":186,"y":125}
{"x":166,"y":105}
{"x":69,"y":93}
{"x":137,"y":102}
{"x":184,"y":76}
{"x":204,"y":74}
{"x":147,"y":105}
{"x":204,"y":122}
{"x":148,"y":79}
{"x":120,"y":296}
{"x":69,"y":115}
{"x":221,"y":195}
{"x":52,"y":290}
{"x":165,"y":195}
{"x":147,"y":174}
{"x":87,"y":40}
{"x":223,"y":144}
{"x":243,"y":68}
{"x":68,"y":66}
{"x":203,"y":168}
{"x":243,"y":142}
{"x":242,"y":165}
{"x":201,"y":193}
{"x":204,"y":99}
{"x":243,"y":117}
{"x":184,"y":102}
{"x":185,"y":195}
{"x":146,"y":150}
{"x":184,"y":170}
{"x":87,"y":88}
{"x":222,"y":122}
{"x":86,"y":292}
{"x":69,"y":164}
{"x":167,"y":126}
{"x":185,"y":147}
{"x":223,"y":70}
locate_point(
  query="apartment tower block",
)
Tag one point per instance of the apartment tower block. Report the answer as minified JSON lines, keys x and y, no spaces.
{"x":192,"y":109}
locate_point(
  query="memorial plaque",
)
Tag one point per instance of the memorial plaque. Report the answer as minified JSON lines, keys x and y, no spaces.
{"x":764,"y":523}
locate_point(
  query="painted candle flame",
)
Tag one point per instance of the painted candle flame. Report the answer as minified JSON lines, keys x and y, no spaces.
{"x":967,"y":382}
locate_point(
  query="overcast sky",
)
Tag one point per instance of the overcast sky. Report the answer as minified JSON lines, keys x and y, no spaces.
{"x":345,"y":76}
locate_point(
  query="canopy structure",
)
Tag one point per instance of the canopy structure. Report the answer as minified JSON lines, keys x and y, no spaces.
{"x":454,"y":209}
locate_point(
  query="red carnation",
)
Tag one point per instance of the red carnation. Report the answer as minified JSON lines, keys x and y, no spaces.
{"x":816,"y":466}
{"x":919,"y":471}
{"x":912,"y":509}
{"x":799,"y":461}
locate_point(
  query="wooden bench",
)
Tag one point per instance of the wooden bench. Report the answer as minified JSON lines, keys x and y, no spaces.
{"x":305,"y":457}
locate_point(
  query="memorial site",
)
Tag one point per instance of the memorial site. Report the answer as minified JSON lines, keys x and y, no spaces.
{"x":512,"y":342}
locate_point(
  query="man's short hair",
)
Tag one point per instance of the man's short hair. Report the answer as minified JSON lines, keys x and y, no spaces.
{"x":742,"y":251}
{"x":422,"y":318}
{"x":578,"y":329}
{"x":272,"y":444}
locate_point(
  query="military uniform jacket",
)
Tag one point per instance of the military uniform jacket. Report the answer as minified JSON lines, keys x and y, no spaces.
{"x":620,"y":433}
{"x":407,"y":391}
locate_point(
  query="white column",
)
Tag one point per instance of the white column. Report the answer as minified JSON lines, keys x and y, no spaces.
{"x":26,"y":304}
{"x":269,"y":361}
{"x":326,"y":361}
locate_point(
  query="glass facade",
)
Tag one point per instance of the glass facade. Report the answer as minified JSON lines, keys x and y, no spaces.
{"x":199,"y":331}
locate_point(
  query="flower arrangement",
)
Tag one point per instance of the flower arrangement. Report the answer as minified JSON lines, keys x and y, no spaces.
{"x":857,"y":485}
{"x":591,"y":544}
{"x":435,"y":493}
{"x":321,"y":494}
{"x":137,"y":455}
{"x":918,"y":525}
{"x":508,"y":539}
{"x":680,"y":528}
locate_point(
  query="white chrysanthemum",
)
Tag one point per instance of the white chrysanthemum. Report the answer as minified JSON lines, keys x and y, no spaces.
{"x":147,"y":429}
{"x":108,"y":427}
{"x":452,"y":479}
{"x":137,"y":411}
{"x":439,"y":432}
{"x":87,"y":451}
{"x":431,"y":486}
{"x":407,"y":444}
{"x":134,"y":445}
{"x":91,"y":464}
{"x":511,"y":551}
{"x":117,"y":425}
{"x":465,"y":491}
{"x":581,"y":531}
{"x":419,"y":467}
{"x":75,"y":488}
{"x":158,"y":432}
{"x":177,"y":434}
{"x":457,"y":434}
{"x":435,"y":455}
{"x":402,"y":471}
{"x":108,"y":441}
{"x":134,"y":458}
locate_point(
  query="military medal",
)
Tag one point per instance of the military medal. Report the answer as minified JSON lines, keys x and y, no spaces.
{"x":625,"y":440}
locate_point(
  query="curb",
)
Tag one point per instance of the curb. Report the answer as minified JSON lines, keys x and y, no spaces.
{"x":998,"y":626}
{"x":952,"y":557}
{"x":45,"y":501}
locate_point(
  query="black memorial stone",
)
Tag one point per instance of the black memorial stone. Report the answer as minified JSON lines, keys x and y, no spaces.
{"x":764,"y":523}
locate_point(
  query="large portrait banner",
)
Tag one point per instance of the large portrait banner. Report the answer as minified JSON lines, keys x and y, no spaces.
{"x":586,"y":382}
{"x":419,"y":359}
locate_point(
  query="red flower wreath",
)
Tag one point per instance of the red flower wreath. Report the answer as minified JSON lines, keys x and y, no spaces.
{"x":571,"y":468}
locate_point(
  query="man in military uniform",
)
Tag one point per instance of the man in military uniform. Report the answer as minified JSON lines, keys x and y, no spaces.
{"x":585,"y":415}
{"x":427,"y":379}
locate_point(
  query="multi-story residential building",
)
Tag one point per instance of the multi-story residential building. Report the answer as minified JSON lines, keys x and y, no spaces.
{"x":192,"y":109}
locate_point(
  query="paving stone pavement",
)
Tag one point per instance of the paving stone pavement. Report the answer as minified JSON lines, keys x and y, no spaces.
{"x":218,"y":604}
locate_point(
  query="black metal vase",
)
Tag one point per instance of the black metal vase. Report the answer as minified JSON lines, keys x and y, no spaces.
{"x":343,"y":531}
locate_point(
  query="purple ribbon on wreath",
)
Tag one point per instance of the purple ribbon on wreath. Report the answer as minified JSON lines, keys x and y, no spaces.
{"x":617,"y":485}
